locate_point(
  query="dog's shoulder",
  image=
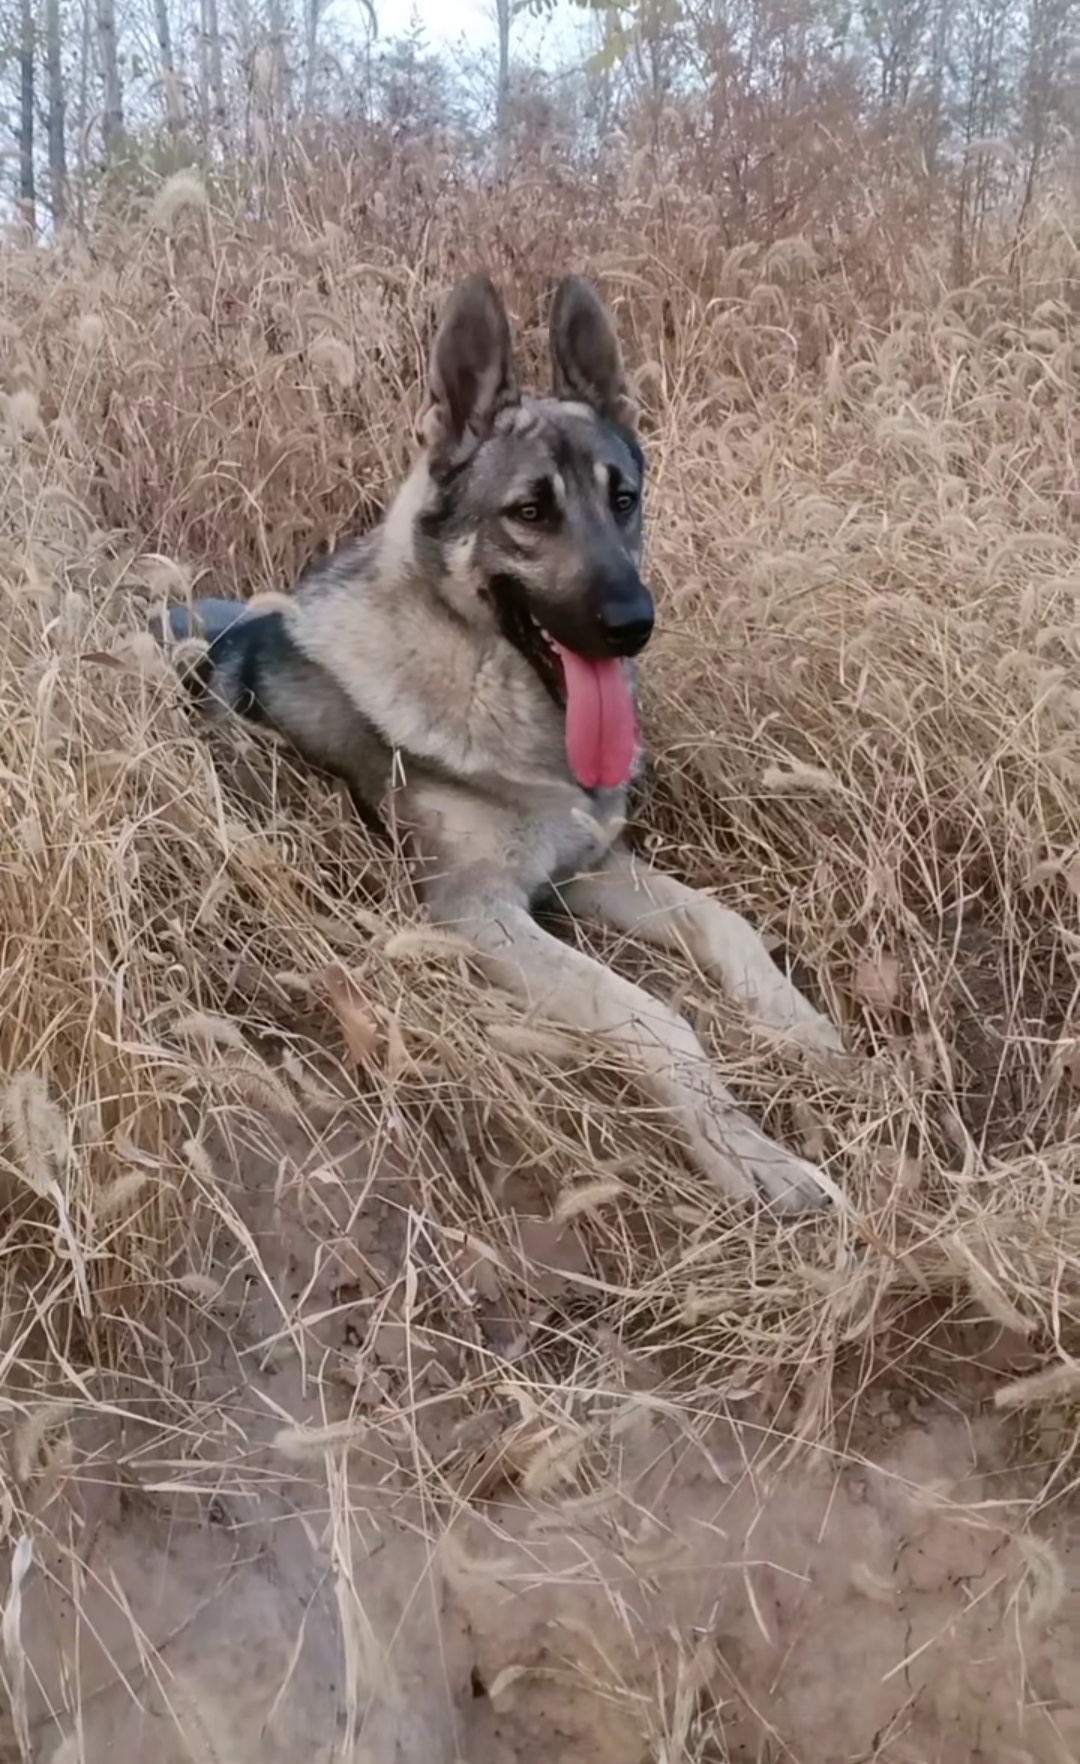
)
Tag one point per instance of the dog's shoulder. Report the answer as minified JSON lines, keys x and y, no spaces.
{"x":439,"y":689}
{"x":346,"y":567}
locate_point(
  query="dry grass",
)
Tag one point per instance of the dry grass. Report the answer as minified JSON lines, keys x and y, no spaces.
{"x":864,"y":707}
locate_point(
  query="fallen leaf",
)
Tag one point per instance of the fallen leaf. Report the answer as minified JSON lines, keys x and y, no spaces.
{"x":811,"y":1130}
{"x":877,"y":982}
{"x":358,"y":1024}
{"x":503,"y":1460}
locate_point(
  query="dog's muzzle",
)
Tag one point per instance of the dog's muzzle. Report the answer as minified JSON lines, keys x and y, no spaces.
{"x":625,"y":620}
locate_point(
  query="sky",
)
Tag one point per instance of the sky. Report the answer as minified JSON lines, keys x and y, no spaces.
{"x":447,"y":23}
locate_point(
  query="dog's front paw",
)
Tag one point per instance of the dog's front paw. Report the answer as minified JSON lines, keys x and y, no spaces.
{"x":745,"y":1163}
{"x":815,"y":1033}
{"x":771,"y":1002}
{"x":790,"y":1185}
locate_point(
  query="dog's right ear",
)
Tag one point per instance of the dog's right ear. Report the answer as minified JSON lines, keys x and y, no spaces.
{"x":471,"y":377}
{"x":585,"y":353}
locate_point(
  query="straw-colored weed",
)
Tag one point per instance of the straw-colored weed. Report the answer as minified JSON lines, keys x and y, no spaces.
{"x":864,"y":707}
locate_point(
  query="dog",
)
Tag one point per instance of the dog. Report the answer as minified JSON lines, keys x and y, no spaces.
{"x":475,"y":655}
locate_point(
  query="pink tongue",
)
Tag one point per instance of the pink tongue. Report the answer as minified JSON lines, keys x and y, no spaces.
{"x":601,"y":721}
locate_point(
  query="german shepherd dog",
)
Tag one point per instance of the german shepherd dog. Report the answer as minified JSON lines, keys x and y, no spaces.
{"x":474,"y":654}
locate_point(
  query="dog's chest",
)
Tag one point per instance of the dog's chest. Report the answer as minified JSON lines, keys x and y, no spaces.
{"x":536,"y":837}
{"x":434,"y":691}
{"x":481,"y":747}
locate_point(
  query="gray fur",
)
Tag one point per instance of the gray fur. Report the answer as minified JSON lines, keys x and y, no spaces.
{"x":409,"y":660}
{"x":211,"y":619}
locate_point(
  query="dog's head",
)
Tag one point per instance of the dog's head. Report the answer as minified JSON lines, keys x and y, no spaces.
{"x":534,"y":508}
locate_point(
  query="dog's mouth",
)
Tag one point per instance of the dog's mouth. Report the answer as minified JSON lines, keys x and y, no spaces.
{"x":596,"y":695}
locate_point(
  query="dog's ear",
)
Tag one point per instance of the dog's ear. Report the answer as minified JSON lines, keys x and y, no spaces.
{"x":471,"y":377}
{"x":585,"y":353}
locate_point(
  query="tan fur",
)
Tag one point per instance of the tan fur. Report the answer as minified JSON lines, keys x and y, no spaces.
{"x":269,"y":600}
{"x":482,"y":782}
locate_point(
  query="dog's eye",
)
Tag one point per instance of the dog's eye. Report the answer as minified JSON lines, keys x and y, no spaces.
{"x":536,"y":504}
{"x":624,"y":502}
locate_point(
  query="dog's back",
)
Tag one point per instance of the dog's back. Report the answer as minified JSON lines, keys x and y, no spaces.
{"x":253,"y":667}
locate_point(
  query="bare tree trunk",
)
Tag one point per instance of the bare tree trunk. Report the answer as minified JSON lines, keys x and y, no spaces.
{"x":57,"y":137}
{"x":204,"y":72}
{"x":217,"y":74}
{"x":311,"y":30}
{"x":502,"y":89}
{"x":110,"y":69}
{"x":272,"y":75}
{"x":27,"y":194}
{"x":935,"y":127}
{"x":245,"y":62}
{"x":84,"y":101}
{"x":164,"y":36}
{"x":1047,"y":82}
{"x":174,"y":104}
{"x":276,"y":20}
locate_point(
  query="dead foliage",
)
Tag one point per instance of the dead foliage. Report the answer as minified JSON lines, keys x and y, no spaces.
{"x":863,"y":703}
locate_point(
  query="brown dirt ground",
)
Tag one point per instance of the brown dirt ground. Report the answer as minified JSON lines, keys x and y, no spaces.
{"x":255,"y":1588}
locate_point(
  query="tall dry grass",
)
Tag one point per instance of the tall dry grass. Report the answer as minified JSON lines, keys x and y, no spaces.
{"x":864,"y":705}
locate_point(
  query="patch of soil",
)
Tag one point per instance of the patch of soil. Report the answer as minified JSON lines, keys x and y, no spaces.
{"x":287,"y":1574}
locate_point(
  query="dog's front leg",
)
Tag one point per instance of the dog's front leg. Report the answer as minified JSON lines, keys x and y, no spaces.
{"x":633,"y":897}
{"x":568,"y":987}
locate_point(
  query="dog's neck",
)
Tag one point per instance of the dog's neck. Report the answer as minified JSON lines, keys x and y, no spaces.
{"x":441,"y":570}
{"x":395,"y":540}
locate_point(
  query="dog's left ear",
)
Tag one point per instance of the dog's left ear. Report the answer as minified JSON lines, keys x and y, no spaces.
{"x":471,"y":376}
{"x":585,"y":353}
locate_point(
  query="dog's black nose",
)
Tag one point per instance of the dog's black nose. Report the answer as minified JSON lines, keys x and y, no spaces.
{"x":627,"y":623}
